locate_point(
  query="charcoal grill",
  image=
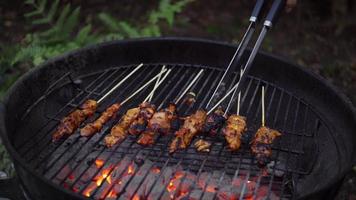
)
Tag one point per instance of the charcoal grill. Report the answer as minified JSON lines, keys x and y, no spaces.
{"x":313,"y":155}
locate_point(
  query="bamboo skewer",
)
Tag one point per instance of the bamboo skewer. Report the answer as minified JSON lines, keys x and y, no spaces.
{"x":143,"y":87}
{"x":189,"y":86}
{"x":122,"y":81}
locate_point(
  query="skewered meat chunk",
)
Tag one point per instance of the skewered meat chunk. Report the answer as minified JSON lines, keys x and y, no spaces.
{"x":192,"y":126}
{"x":119,"y":131}
{"x":214,"y":122}
{"x":70,"y":123}
{"x":98,"y":124}
{"x":233,"y":131}
{"x":261,"y":144}
{"x":189,"y":100}
{"x":161,"y":122}
{"x":202,"y":145}
{"x":139,"y":124}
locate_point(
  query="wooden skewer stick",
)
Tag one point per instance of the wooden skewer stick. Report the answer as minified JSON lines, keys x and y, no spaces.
{"x":263,"y":105}
{"x":238,"y":104}
{"x":143,"y":87}
{"x":189,"y":86}
{"x":156,"y":86}
{"x":232,"y":98}
{"x":117,"y":85}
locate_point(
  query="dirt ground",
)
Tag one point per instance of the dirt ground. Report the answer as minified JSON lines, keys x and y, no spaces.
{"x":316,"y":34}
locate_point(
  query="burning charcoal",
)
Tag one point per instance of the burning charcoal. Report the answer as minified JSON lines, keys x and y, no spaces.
{"x":160,"y":184}
{"x":228,"y":192}
{"x":262,"y":193}
{"x":273,"y":167}
{"x":137,"y":179}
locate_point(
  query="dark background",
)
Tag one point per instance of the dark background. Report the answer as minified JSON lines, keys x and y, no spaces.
{"x":318,"y":34}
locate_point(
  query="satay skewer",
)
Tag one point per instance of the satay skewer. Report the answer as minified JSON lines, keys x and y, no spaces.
{"x":165,"y":120}
{"x":120,"y":131}
{"x":110,"y":112}
{"x":70,"y":123}
{"x":261,"y":145}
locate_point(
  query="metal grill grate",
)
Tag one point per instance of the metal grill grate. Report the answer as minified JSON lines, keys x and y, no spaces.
{"x":72,"y":163}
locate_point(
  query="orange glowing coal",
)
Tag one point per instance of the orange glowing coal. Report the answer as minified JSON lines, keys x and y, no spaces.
{"x":155,"y":170}
{"x":87,"y":192}
{"x":112,"y":194}
{"x":171,"y":187}
{"x":136,"y":197}
{"x":130,"y":170}
{"x":104,"y":175}
{"x":99,"y":163}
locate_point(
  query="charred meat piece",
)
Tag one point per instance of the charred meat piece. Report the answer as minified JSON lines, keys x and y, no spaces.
{"x":139,"y":124}
{"x":189,"y":99}
{"x":202,"y":145}
{"x":192,"y":126}
{"x":233,"y":131}
{"x":119,"y":131}
{"x":261,"y":144}
{"x":70,"y":123}
{"x":214,"y":122}
{"x":161,"y":122}
{"x":97,"y":125}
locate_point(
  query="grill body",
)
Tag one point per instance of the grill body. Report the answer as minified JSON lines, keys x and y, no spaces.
{"x":327,"y":135}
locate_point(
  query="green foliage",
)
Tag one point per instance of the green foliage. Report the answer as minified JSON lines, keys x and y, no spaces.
{"x":59,"y":32}
{"x":165,"y":12}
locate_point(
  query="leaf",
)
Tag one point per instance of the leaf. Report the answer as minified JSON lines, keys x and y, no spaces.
{"x":63,"y":15}
{"x":109,"y":22}
{"x":71,"y":22}
{"x":45,"y":20}
{"x":53,"y":10}
{"x":83,"y":35}
{"x":39,"y":9}
{"x":129,"y":30}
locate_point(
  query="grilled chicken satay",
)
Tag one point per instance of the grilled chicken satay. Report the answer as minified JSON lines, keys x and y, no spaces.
{"x":202,"y":145}
{"x":119,"y":131}
{"x":214,"y":122}
{"x":261,"y":144}
{"x":147,"y":110}
{"x":192,"y":126}
{"x":70,"y":123}
{"x":161,"y":122}
{"x":97,"y":125}
{"x":236,"y":126}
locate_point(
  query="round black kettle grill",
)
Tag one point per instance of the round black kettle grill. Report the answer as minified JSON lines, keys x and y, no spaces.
{"x":312,"y":156}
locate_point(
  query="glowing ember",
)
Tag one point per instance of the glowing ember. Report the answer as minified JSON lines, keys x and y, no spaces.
{"x":130,"y":170}
{"x":99,"y":163}
{"x":136,"y":197}
{"x":156,"y":170}
{"x":171,"y":186}
{"x":112,"y":194}
{"x":87,"y":192}
{"x":104,"y":174}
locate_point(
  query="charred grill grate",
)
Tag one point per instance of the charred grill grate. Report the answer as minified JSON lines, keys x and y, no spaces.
{"x":86,"y":166}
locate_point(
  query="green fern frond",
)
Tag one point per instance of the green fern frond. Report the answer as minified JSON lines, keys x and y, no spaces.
{"x":109,"y":22}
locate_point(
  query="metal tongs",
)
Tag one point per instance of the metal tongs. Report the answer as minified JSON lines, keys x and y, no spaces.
{"x":270,"y":20}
